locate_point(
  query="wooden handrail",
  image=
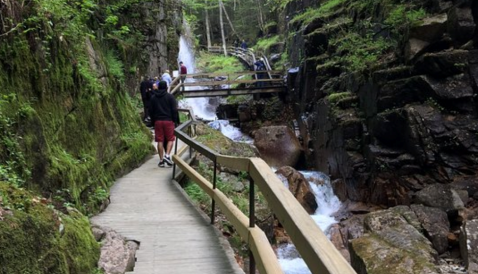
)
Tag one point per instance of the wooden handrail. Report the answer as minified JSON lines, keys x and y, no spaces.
{"x":255,"y":237}
{"x":318,"y":252}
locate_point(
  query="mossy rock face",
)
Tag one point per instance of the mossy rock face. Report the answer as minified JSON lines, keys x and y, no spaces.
{"x":34,"y":238}
{"x":68,"y":125}
{"x":216,"y":141}
{"x":393,"y":243}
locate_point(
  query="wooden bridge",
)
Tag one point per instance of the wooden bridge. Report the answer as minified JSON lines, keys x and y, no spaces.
{"x":147,"y":205}
{"x":227,"y":84}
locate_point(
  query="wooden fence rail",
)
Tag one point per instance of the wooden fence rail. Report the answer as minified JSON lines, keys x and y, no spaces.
{"x":318,"y":252}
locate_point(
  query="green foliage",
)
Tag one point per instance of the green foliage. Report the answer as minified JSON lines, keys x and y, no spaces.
{"x":115,"y":66}
{"x":207,"y":62}
{"x":238,"y":99}
{"x":313,"y":13}
{"x":334,"y":98}
{"x":264,"y":44}
{"x":197,"y":194}
{"x":402,"y":16}
{"x":360,"y":52}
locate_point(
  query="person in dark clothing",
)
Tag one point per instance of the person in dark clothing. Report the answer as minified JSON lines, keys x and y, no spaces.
{"x":183,"y":70}
{"x":145,"y":89}
{"x":164,"y":115}
{"x":244,"y":45}
{"x":260,"y":66}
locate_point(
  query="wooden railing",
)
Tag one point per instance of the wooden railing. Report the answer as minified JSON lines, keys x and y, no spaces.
{"x":210,"y":80}
{"x":318,"y":252}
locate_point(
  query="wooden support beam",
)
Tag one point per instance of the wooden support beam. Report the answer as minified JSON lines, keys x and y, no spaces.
{"x":229,"y":92}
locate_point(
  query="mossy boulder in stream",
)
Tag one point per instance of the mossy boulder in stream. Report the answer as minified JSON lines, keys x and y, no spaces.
{"x":393,"y":243}
{"x":35,"y":238}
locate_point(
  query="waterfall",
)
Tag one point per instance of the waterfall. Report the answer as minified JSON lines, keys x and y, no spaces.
{"x":328,"y":204}
{"x":205,"y":108}
{"x":200,"y":106}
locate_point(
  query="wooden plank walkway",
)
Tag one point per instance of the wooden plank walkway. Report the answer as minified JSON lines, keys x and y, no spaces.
{"x":174,"y":237}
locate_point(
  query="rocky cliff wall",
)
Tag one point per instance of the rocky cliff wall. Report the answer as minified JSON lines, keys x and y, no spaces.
{"x":386,"y":94}
{"x":69,"y":126}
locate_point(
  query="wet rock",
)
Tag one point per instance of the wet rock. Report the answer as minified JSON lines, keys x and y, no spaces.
{"x":415,"y":47}
{"x":468,"y":244}
{"x":278,"y":145}
{"x":461,"y":25}
{"x":316,"y":42}
{"x":442,"y":64}
{"x":299,"y":187}
{"x":392,"y":244}
{"x":117,"y":254}
{"x":454,"y":87}
{"x":353,"y":227}
{"x":435,"y":224}
{"x":430,"y":29}
{"x":338,"y":241}
{"x":441,"y":196}
{"x":98,"y":233}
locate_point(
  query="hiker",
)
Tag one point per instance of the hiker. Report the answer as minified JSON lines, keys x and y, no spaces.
{"x":183,"y":70}
{"x":145,"y":89}
{"x":244,"y":45}
{"x":166,"y":77}
{"x":260,"y":66}
{"x":164,"y":115}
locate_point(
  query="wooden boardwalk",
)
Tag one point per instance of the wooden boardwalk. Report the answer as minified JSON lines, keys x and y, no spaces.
{"x":147,"y":206}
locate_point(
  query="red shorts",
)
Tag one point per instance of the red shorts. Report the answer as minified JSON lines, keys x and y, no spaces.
{"x":164,"y":130}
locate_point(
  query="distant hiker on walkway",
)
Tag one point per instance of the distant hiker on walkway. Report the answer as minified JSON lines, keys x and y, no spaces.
{"x":166,"y":77}
{"x":244,"y":45}
{"x":183,"y":70}
{"x":164,"y":115}
{"x":145,"y":89}
{"x":260,"y":66}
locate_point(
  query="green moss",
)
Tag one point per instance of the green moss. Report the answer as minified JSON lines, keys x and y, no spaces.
{"x":311,"y":14}
{"x":403,"y":15}
{"x":207,"y":62}
{"x":37,"y":239}
{"x":264,"y":44}
{"x":336,"y":97}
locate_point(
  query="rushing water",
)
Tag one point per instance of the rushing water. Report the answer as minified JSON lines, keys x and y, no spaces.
{"x":327,"y":203}
{"x":205,"y":108}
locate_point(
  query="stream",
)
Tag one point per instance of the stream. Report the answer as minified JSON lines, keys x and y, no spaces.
{"x":328,"y":203}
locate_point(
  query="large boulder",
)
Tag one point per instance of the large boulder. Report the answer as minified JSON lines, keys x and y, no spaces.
{"x":278,"y":145}
{"x":435,"y":224}
{"x":393,"y":244}
{"x":442,"y":64}
{"x":299,"y":187}
{"x":461,"y":25}
{"x":441,"y":196}
{"x":468,"y":244}
{"x":117,"y":254}
{"x":430,"y":30}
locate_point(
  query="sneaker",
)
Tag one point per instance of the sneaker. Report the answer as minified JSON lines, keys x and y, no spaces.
{"x":161,"y":164}
{"x":168,"y":161}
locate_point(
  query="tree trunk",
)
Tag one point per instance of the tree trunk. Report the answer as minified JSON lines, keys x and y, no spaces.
{"x":208,"y":29}
{"x":230,"y":23}
{"x":261,"y":17}
{"x":222,"y":29}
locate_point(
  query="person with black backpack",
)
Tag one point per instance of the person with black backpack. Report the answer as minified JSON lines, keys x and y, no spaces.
{"x":164,"y":116}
